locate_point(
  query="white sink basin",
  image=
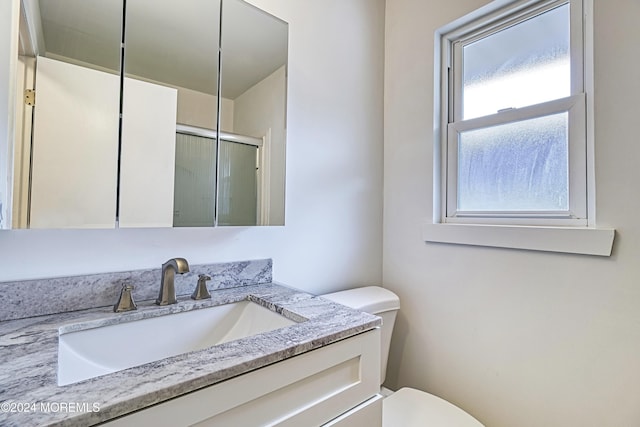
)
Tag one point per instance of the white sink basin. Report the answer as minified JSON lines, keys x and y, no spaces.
{"x":103,"y":350}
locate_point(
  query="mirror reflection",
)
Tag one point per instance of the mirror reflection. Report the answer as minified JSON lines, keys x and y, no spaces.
{"x":253,"y":81}
{"x":171,"y":70}
{"x":175,"y":168}
{"x":66,"y":147}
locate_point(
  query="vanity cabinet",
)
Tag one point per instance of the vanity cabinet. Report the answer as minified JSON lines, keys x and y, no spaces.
{"x":335,"y":385}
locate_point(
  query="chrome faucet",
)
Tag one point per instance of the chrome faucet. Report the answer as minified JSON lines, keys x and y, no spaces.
{"x":167,"y":286}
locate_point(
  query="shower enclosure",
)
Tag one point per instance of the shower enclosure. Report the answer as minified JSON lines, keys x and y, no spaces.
{"x":238,"y":162}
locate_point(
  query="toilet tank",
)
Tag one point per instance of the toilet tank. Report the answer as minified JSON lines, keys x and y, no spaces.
{"x":375,"y":300}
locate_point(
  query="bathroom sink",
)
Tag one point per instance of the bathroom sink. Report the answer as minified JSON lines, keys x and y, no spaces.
{"x":93,"y":352}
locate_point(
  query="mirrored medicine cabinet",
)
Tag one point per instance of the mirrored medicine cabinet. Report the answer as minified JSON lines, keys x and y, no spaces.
{"x":149,"y":114}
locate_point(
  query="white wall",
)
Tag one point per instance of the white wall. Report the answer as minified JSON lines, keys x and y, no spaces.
{"x":517,"y":338}
{"x":332,"y":237}
{"x":199,"y":109}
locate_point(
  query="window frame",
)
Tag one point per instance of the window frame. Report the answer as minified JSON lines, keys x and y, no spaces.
{"x":575,"y":105}
{"x":573,"y":233}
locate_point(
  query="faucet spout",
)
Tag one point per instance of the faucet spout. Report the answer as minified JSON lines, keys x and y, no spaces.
{"x":167,"y":293}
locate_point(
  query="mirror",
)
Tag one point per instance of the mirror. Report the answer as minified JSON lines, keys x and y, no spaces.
{"x":254,"y":81}
{"x":171,"y":76}
{"x":174,"y":167}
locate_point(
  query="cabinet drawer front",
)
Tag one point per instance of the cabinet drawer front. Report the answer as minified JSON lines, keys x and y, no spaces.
{"x":310,"y":389}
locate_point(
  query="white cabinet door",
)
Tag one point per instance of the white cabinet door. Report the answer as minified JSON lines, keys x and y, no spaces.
{"x":367,"y":414}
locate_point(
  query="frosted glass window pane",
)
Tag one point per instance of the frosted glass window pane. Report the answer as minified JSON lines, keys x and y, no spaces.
{"x":516,"y":166}
{"x":522,"y":65}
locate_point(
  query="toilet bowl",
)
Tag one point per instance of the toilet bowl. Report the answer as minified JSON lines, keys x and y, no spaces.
{"x":406,"y":407}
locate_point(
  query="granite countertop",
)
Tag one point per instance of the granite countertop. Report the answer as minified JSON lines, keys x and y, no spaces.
{"x":30,"y":396}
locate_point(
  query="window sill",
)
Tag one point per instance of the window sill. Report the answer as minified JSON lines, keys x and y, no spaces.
{"x":574,"y":240}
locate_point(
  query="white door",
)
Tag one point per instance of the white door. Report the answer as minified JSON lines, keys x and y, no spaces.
{"x":147,"y":160}
{"x":75,"y":147}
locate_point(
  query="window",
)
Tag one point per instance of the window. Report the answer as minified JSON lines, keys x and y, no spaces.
{"x":515,"y":131}
{"x":512,"y":133}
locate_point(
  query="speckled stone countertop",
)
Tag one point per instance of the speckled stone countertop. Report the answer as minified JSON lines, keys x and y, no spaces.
{"x":29,"y":349}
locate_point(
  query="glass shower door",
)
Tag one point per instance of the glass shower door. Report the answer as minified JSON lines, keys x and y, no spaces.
{"x":195,"y":181}
{"x":238,"y":187}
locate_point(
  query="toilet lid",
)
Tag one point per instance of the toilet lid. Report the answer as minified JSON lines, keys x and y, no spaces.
{"x":409,"y":407}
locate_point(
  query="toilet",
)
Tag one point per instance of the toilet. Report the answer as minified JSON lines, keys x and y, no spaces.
{"x":406,"y":407}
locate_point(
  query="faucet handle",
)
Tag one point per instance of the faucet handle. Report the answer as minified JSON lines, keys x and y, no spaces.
{"x":201,"y":291}
{"x":125,"y":301}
